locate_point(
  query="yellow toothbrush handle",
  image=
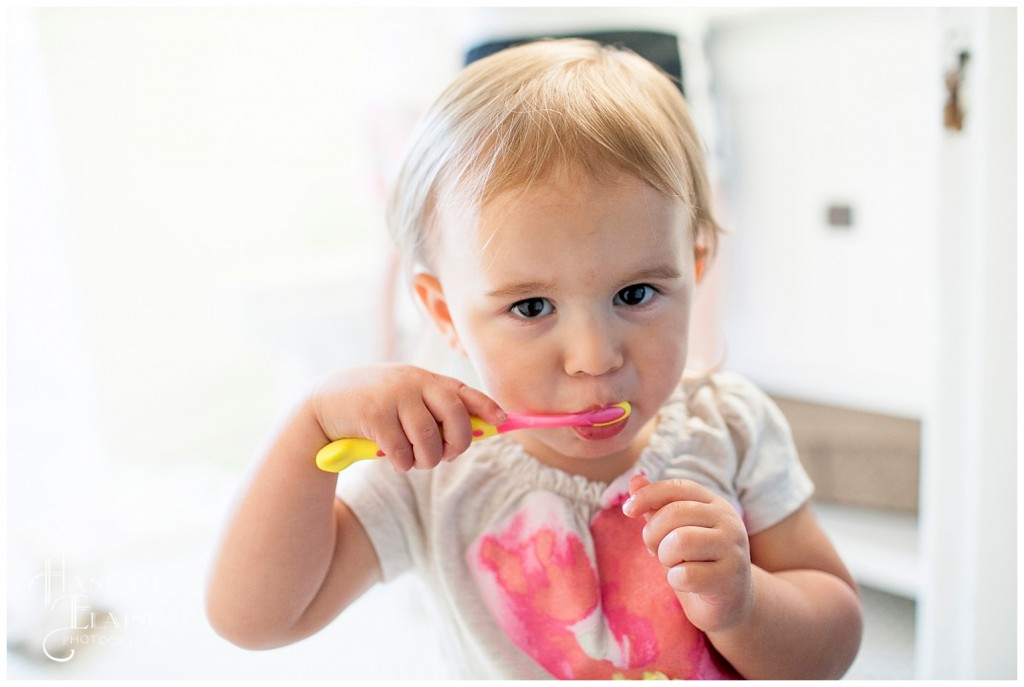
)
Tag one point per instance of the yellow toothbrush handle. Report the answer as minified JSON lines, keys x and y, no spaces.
{"x":338,"y":455}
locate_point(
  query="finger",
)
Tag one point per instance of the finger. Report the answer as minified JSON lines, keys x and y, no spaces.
{"x":637,"y":482}
{"x":663,"y":521}
{"x":451,"y":414}
{"x":477,"y":403}
{"x":692,"y":577}
{"x":421,"y":429}
{"x":656,"y":495}
{"x":395,"y":446}
{"x":481,"y":405}
{"x":630,"y":507}
{"x":688,"y":545}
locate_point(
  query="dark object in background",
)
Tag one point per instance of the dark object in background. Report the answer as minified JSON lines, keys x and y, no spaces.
{"x":839,"y":216}
{"x":660,"y":48}
{"x":953,"y":110}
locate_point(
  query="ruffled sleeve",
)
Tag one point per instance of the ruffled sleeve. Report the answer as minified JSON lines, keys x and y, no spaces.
{"x":770,"y":481}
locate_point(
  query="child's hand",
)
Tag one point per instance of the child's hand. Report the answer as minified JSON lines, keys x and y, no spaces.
{"x":700,"y":539}
{"x":417,"y":417}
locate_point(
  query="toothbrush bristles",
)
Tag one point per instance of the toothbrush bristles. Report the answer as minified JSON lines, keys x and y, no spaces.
{"x":624,"y":405}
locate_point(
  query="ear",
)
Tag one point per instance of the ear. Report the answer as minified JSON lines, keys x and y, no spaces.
{"x":700,"y":261}
{"x":431,"y":295}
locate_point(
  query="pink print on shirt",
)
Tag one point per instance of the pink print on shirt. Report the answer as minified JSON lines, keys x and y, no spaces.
{"x":582,"y":610}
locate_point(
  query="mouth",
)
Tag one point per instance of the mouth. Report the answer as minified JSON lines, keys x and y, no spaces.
{"x":616,"y":413}
{"x":600,"y":413}
{"x":602,"y":432}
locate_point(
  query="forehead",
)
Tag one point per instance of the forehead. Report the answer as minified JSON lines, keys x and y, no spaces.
{"x":565,"y":223}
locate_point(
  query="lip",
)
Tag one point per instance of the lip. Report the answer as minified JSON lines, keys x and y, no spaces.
{"x":601,"y":433}
{"x":596,"y":407}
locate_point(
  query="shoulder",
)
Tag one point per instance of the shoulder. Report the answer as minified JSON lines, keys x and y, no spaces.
{"x":736,"y":436}
{"x":728,"y":391}
{"x":711,"y":431}
{"x":735,"y":403}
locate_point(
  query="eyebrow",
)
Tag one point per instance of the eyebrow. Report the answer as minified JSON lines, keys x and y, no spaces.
{"x":520,"y":289}
{"x":656,"y":272}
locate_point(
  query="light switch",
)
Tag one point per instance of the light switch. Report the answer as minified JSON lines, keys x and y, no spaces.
{"x":840,"y":216}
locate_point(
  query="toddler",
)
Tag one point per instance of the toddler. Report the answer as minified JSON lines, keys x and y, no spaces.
{"x":555,"y":209}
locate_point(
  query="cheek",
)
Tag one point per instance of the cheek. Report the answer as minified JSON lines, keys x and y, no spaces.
{"x":508,"y":372}
{"x":662,"y":350}
{"x":515,"y":376}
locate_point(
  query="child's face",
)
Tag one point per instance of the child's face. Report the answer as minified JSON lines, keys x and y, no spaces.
{"x":570,"y":296}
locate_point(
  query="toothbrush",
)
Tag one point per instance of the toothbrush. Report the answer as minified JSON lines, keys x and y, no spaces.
{"x":338,"y":455}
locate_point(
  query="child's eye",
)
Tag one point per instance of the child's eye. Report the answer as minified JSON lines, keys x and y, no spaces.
{"x":532,"y":308}
{"x":634,"y":295}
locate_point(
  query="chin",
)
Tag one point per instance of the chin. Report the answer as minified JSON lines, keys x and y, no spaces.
{"x":581,"y":448}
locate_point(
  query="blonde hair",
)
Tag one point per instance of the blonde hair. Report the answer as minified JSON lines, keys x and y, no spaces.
{"x":529,"y":110}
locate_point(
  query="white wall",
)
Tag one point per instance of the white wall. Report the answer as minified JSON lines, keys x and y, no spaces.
{"x":207,"y":158}
{"x":819,"y":107}
{"x":912,"y":311}
{"x":194,"y":230}
{"x":967,"y":612}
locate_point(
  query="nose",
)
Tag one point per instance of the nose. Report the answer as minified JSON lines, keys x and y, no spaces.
{"x":592,"y":348}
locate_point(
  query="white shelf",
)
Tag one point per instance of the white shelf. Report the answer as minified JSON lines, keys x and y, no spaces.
{"x":879,"y":547}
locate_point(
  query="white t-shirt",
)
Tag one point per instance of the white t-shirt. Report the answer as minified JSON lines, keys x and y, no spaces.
{"x":539,"y":573}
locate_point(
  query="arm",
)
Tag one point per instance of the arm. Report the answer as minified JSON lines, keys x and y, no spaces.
{"x":288,"y":536}
{"x":293,"y":556}
{"x":806,"y":617}
{"x":779,"y":605}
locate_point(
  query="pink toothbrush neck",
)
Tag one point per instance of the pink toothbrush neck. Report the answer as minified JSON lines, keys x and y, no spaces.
{"x":526,"y":420}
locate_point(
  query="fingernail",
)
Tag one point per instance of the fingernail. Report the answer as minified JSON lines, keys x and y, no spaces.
{"x":627,"y":505}
{"x":501,"y":416}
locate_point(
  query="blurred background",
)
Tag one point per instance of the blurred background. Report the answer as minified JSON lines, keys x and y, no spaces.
{"x":195,"y":233}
